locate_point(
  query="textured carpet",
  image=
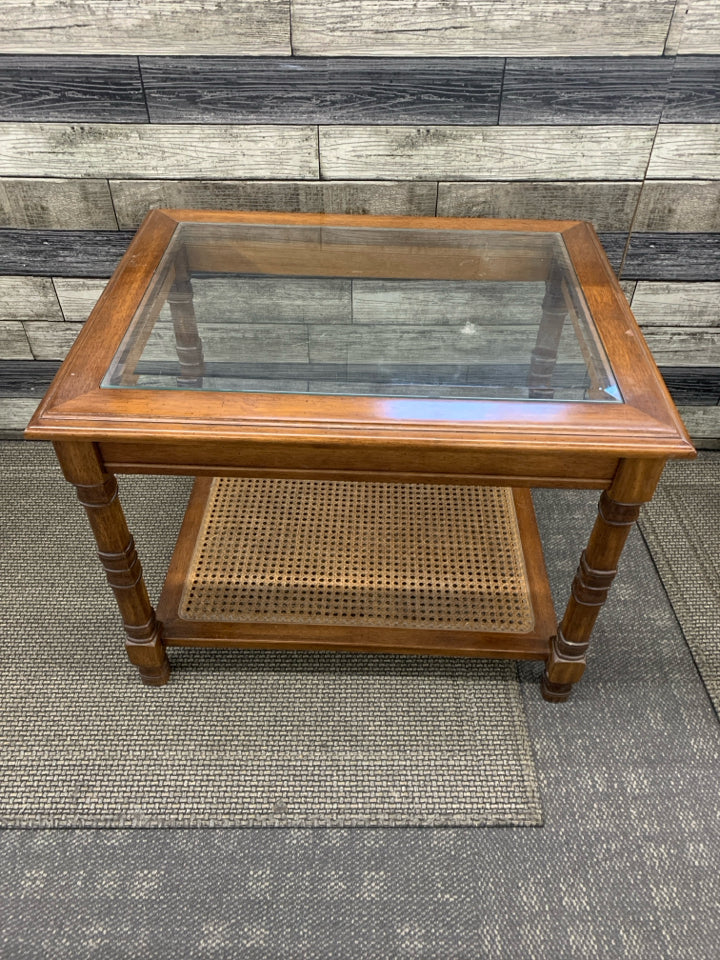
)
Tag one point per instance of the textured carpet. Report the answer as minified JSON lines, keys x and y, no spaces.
{"x":237,"y":738}
{"x":682,"y":529}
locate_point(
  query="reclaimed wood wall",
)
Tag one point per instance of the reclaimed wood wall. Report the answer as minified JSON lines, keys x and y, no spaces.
{"x":608,"y":112}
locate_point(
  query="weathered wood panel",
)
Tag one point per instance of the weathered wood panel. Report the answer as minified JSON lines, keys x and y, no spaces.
{"x":668,"y":256}
{"x":13,"y":341}
{"x":700,"y":27}
{"x":164,"y":27}
{"x":28,"y":298}
{"x":628,"y":288}
{"x":671,"y":346}
{"x":133,"y":198}
{"x":61,"y":253}
{"x":51,"y":341}
{"x":694,"y":92}
{"x":609,"y":206}
{"x":26,"y":378}
{"x":251,"y":342}
{"x":71,"y":88}
{"x":322,"y":90}
{"x":514,"y":28}
{"x":679,"y":206}
{"x":693,"y":385}
{"x":15,"y":413}
{"x":77,"y":297}
{"x":584,"y":90}
{"x":167,"y":151}
{"x":485,"y":153}
{"x":677,"y":304}
{"x":684,"y":151}
{"x":703,"y":425}
{"x":56,"y":204}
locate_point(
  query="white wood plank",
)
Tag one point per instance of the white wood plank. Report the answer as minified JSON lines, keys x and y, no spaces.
{"x":628,"y":288}
{"x":133,"y":198}
{"x":13,"y":341}
{"x":677,"y":305}
{"x":15,"y":412}
{"x":58,"y":204}
{"x":480,"y":28}
{"x":163,"y":27}
{"x":165,"y":151}
{"x":28,"y":298}
{"x":485,"y":153}
{"x":51,"y":341}
{"x":685,"y":151}
{"x":77,"y":297}
{"x":679,"y":206}
{"x":609,"y":206}
{"x":700,"y":31}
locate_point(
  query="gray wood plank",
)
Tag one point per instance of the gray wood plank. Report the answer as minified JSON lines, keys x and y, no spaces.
{"x":133,"y":198}
{"x":694,"y":92}
{"x":584,"y":90}
{"x":483,"y":27}
{"x":15,"y":413}
{"x":669,"y":256}
{"x":661,"y":304}
{"x":26,"y":378}
{"x":56,"y":204}
{"x":28,"y":298}
{"x":51,"y":341}
{"x":61,"y":253}
{"x":679,"y":206}
{"x":485,"y":153}
{"x":609,"y":206}
{"x":672,"y":346}
{"x":71,"y":88}
{"x":693,"y":385}
{"x":77,"y":296}
{"x":684,"y":151}
{"x":163,"y":27}
{"x":322,"y":90}
{"x":262,"y":342}
{"x":703,"y":425}
{"x":628,"y":288}
{"x":700,"y":27}
{"x":13,"y":341}
{"x":168,"y":151}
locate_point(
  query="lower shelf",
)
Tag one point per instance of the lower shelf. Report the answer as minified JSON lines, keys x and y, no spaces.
{"x":401,"y":568}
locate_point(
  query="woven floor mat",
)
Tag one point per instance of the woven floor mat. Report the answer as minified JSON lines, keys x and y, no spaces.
{"x":681,"y":527}
{"x":237,"y":738}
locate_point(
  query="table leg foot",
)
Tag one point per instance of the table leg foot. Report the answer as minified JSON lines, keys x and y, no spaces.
{"x":554,"y":692}
{"x":151,"y":660}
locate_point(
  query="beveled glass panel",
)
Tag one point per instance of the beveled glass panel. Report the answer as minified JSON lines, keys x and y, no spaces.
{"x":365,"y":311}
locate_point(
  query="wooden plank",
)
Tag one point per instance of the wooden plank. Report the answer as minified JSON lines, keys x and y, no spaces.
{"x":694,"y":92}
{"x":693,"y":385}
{"x":703,"y":425}
{"x":677,"y":304}
{"x":250,"y":342}
{"x":628,"y":288}
{"x":51,"y":341}
{"x":56,"y":204}
{"x":77,"y":297}
{"x":13,"y":341}
{"x":614,"y":246}
{"x":28,"y":298}
{"x":514,"y":28}
{"x":71,"y":88}
{"x":26,"y":378}
{"x":485,"y":153}
{"x":609,"y":206}
{"x":165,"y":27}
{"x":679,"y":206}
{"x":133,"y":198}
{"x":168,"y":151}
{"x":671,"y":346}
{"x":700,"y":27}
{"x":584,"y":90}
{"x":684,"y":151}
{"x":322,"y":90}
{"x":673,"y":256}
{"x":61,"y":253}
{"x":15,"y":413}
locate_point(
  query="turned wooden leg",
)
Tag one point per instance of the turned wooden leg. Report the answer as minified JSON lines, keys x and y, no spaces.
{"x":544,"y":355}
{"x":187,"y":339}
{"x":98,"y":493}
{"x":618,"y":510}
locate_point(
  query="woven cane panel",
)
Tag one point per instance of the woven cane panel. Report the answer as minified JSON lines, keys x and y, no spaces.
{"x":374,"y":554}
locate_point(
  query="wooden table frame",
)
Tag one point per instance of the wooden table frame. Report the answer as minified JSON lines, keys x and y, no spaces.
{"x":619,"y":448}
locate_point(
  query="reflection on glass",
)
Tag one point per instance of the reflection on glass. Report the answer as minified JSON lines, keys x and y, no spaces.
{"x":372,"y":312}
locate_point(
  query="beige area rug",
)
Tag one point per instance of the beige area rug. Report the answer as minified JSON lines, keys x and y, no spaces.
{"x":237,"y":738}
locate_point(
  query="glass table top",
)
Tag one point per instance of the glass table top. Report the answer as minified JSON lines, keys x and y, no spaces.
{"x":365,"y":311}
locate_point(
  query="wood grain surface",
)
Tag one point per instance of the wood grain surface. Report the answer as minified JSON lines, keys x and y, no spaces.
{"x":28,"y":298}
{"x":145,"y":26}
{"x":133,"y":198}
{"x":485,"y":153}
{"x":700,"y":27}
{"x":61,"y":253}
{"x":51,"y":341}
{"x":679,"y":206}
{"x":59,"y":88}
{"x":514,"y":28}
{"x":13,"y":341}
{"x":673,"y":256}
{"x":26,"y":378}
{"x":694,"y":93}
{"x":170,"y":150}
{"x":56,"y":204}
{"x":695,"y":305}
{"x":590,"y":90}
{"x":77,"y":296}
{"x":609,"y":206}
{"x":686,"y":150}
{"x":322,"y":90}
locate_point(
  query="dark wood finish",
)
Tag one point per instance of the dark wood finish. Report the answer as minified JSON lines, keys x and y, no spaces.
{"x":60,"y":88}
{"x":673,"y":256}
{"x":61,"y":253}
{"x":617,"y":447}
{"x":322,"y":89}
{"x":26,"y":378}
{"x":584,"y":90}
{"x":187,"y":341}
{"x":694,"y":92}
